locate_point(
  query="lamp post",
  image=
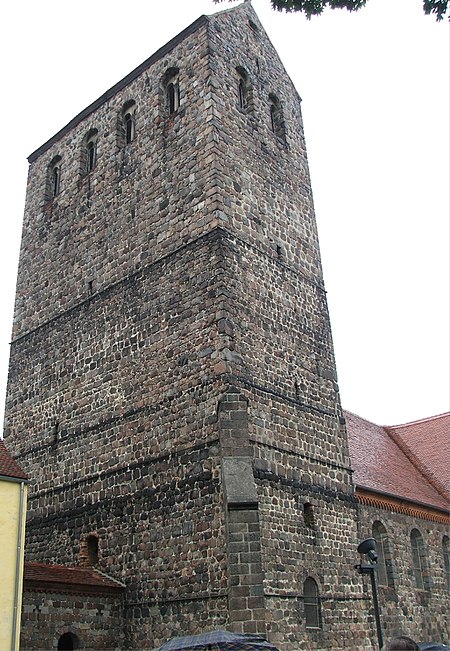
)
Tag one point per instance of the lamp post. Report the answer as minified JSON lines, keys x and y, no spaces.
{"x":369,"y":548}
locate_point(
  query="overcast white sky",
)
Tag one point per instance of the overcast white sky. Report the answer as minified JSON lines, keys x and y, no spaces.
{"x":375,"y":105}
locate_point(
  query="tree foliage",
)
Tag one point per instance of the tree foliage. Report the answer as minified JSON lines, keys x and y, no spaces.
{"x":438,"y":8}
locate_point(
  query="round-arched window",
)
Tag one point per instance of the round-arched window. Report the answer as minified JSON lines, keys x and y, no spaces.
{"x":68,"y":642}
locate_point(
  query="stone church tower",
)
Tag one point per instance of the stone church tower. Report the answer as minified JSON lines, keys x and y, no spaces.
{"x":172,"y":388}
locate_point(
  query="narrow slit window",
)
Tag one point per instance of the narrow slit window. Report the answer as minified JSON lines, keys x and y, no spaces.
{"x":273,"y":121}
{"x":92,"y":156}
{"x":56,"y":180}
{"x":173,"y":97}
{"x":129,"y":128}
{"x":242,"y":99}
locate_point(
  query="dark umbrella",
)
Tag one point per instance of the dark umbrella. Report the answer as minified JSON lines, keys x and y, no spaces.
{"x":218,"y":641}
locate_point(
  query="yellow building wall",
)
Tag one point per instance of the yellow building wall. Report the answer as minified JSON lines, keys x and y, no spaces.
{"x":10,"y":583}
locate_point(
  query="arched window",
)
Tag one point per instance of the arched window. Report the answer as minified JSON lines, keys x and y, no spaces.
{"x":89,"y":151}
{"x":127,"y":126}
{"x":68,"y":642}
{"x":56,"y":180}
{"x":276,"y":117}
{"x":311,"y":599}
{"x":385,"y":574}
{"x":419,"y":560}
{"x":244,"y":89}
{"x":171,"y":89}
{"x":92,"y":157}
{"x":446,"y":553}
{"x":53,"y":185}
{"x":173,"y":97}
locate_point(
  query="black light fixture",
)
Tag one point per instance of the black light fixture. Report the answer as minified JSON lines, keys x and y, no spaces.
{"x":369,"y":548}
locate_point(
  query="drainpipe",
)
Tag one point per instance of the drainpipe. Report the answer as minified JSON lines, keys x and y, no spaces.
{"x":15,"y":628}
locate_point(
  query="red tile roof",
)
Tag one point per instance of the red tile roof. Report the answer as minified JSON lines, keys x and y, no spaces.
{"x":8,"y":467}
{"x":383,"y":462}
{"x":61,"y":578}
{"x":427,"y":443}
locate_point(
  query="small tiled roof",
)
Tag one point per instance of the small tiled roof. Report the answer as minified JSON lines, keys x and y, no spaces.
{"x":382,"y":463}
{"x":8,"y":467}
{"x":61,"y":578}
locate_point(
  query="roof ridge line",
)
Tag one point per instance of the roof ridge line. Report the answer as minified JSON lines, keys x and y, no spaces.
{"x":421,"y":420}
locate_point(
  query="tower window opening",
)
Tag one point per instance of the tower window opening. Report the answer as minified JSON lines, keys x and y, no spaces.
{"x":242,"y":98}
{"x":53,"y":182}
{"x":276,"y":117}
{"x":173,"y":97}
{"x":308,"y":515}
{"x":313,"y":618}
{"x":92,"y":550}
{"x":91,"y":159}
{"x":56,"y":181}
{"x":170,"y":88}
{"x":56,"y":431}
{"x":273,"y":119}
{"x":126,"y":124}
{"x":89,"y":151}
{"x":244,"y":89}
{"x":129,"y":128}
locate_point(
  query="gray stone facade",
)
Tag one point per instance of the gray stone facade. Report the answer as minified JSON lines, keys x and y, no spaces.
{"x":172,"y":384}
{"x":422,"y":612}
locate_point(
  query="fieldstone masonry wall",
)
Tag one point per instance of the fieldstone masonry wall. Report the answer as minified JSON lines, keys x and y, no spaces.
{"x":172,"y":384}
{"x":95,"y":621}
